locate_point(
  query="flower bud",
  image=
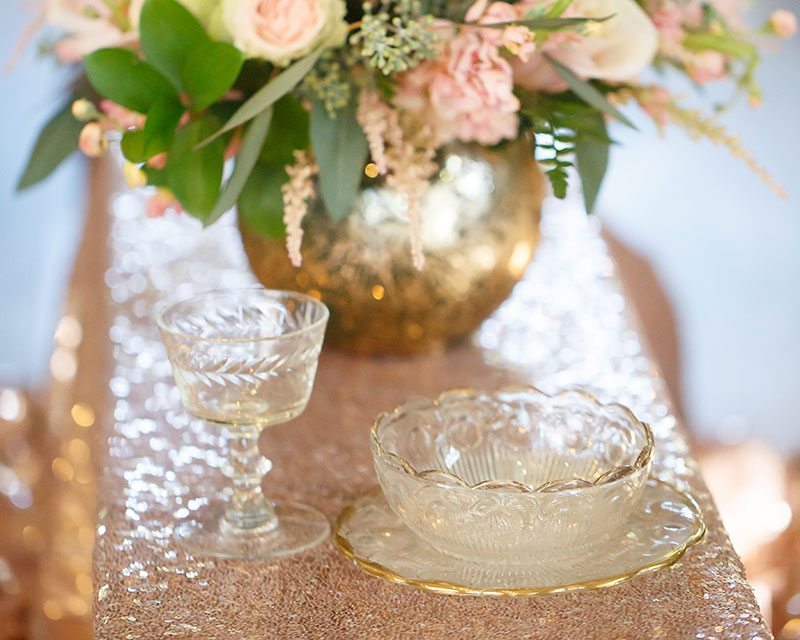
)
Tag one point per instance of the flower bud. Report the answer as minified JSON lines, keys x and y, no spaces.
{"x":783,"y":23}
{"x":93,"y":141}
{"x":755,"y":98}
{"x":84,"y":110}
{"x":134,"y":176}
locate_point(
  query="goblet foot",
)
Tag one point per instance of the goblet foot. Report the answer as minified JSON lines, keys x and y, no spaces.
{"x":300,"y":527}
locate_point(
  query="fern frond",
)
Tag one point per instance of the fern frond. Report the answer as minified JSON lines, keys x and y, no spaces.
{"x":555,"y":148}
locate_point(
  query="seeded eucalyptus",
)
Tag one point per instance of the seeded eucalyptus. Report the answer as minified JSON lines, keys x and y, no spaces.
{"x":395,"y":37}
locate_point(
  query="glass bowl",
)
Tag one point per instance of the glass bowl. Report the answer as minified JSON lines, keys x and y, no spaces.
{"x":506,"y":475}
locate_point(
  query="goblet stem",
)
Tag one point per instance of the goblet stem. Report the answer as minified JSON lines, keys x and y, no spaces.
{"x":248,"y":509}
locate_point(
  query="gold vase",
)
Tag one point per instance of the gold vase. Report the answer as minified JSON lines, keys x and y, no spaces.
{"x":480,"y":226}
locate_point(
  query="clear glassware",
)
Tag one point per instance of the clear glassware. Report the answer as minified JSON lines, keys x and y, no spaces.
{"x":509,"y":475}
{"x":245,"y":360}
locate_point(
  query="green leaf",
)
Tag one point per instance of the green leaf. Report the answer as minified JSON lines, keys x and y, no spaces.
{"x":159,"y":128}
{"x":156,"y":177}
{"x":288,"y":131}
{"x":120,"y":76}
{"x":210,"y":72}
{"x":169,"y":33}
{"x":558,"y":8}
{"x":543,"y":24}
{"x":591,"y":157}
{"x":340,"y":149}
{"x":56,"y":142}
{"x":195,"y":176}
{"x":587,"y":92}
{"x":260,"y":205}
{"x":134,"y":146}
{"x":270,"y":93}
{"x":252,"y":142}
{"x":723,"y":43}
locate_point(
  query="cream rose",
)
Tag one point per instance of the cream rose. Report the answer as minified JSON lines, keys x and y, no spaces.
{"x":283,"y":30}
{"x":617,"y":49}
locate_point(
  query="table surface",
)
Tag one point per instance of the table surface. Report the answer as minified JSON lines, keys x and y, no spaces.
{"x":568,"y":323}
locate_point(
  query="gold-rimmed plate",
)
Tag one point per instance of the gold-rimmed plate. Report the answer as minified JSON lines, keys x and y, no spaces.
{"x":660,"y":530}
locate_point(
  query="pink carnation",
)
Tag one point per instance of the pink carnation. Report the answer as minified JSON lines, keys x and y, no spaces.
{"x":517,"y":39}
{"x":466,"y":95}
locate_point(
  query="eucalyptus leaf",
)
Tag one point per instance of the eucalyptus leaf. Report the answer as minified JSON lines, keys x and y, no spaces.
{"x":260,"y":205}
{"x":591,"y":158}
{"x":269,"y":94}
{"x":340,"y":149}
{"x":169,"y":33}
{"x":120,"y":76}
{"x":587,"y":92}
{"x":195,"y":177}
{"x":210,"y":72}
{"x":56,"y":142}
{"x":252,"y":142}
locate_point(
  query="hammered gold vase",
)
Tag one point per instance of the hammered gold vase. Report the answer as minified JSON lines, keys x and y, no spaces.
{"x":480,"y":227}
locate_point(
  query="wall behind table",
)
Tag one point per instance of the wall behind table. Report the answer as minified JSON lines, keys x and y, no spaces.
{"x":40,"y":228}
{"x":727,"y":251}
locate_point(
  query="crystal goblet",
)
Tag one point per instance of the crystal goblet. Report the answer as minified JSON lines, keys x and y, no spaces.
{"x":245,"y":360}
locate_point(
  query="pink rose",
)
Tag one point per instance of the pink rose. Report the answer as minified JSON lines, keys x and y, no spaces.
{"x":466,"y":95}
{"x":283,"y":30}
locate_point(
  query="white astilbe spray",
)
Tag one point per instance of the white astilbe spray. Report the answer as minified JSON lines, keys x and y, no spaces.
{"x":296,"y":194}
{"x":373,"y":115}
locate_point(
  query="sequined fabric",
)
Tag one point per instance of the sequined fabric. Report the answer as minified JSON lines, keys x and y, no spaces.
{"x":567,"y":323}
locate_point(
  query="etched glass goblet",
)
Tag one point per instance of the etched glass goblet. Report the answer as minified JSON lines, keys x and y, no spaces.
{"x":246,"y":360}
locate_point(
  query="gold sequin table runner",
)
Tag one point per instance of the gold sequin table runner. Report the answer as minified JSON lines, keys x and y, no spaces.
{"x":567,"y":323}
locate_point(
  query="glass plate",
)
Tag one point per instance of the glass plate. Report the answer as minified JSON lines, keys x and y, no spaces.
{"x":661,"y":528}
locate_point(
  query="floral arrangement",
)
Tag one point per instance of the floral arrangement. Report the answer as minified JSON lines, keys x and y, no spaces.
{"x":302,"y":98}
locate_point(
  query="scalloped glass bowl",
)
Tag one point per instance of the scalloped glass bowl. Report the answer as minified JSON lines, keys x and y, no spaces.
{"x":504,"y":476}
